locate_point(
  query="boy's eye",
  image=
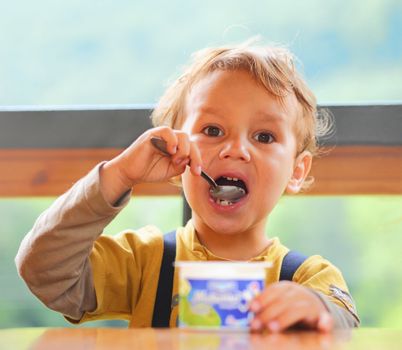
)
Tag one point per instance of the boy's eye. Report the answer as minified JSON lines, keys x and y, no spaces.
{"x":212,"y":131}
{"x":264,"y":137}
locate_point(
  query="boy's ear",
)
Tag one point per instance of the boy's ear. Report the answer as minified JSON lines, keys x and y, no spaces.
{"x":300,"y":171}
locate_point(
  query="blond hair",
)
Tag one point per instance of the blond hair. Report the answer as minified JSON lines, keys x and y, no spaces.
{"x":271,"y":66}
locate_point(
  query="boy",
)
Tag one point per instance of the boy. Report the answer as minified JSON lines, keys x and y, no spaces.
{"x":244,"y":115}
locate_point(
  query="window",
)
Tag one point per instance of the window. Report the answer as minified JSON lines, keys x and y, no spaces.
{"x":124,"y":52}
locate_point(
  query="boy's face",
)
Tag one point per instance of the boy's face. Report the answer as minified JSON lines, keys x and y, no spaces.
{"x":243,"y":132}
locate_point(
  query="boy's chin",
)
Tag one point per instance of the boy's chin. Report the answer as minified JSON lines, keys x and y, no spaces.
{"x":226,"y":227}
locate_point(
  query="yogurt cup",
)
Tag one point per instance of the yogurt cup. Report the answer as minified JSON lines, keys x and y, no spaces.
{"x":216,"y":295}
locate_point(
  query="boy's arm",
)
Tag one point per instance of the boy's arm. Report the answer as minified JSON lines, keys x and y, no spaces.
{"x":317,"y":297}
{"x":342,"y":317}
{"x":53,"y":258}
{"x":327,"y":282}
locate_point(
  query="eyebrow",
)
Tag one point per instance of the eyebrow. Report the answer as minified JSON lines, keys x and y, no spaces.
{"x":263,"y":116}
{"x":210,"y":110}
{"x":277,"y":117}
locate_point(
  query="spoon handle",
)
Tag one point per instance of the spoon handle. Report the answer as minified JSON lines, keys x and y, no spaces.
{"x":160,"y":145}
{"x":209,"y":179}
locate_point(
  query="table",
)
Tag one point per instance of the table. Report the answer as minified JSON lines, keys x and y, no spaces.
{"x":152,"y":339}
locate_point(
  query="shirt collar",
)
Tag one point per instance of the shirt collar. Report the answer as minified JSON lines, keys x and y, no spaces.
{"x":192,"y":243}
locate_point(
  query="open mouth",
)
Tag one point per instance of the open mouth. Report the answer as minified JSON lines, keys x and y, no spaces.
{"x":231,"y":182}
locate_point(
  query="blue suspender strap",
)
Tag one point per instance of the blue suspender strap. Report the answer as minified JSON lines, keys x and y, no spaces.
{"x":290,"y":264}
{"x":163,"y":299}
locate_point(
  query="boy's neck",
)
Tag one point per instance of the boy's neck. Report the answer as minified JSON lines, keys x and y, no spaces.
{"x":242,"y":246}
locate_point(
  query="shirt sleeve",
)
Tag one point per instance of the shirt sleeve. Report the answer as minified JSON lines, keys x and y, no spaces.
{"x":54,"y":257}
{"x":329,"y":285}
{"x":125,"y":274}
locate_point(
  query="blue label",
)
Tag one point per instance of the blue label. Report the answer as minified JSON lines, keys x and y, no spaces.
{"x":217,"y":302}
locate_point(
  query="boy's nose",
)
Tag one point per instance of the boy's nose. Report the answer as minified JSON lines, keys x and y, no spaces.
{"x":235,"y":149}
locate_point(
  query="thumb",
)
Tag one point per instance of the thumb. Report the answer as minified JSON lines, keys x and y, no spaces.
{"x":325,"y":322}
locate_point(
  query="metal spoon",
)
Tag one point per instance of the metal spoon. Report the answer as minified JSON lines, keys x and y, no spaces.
{"x":229,"y":193}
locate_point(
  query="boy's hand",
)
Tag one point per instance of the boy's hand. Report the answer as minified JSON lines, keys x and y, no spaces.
{"x":142,"y":162}
{"x":285,"y":304}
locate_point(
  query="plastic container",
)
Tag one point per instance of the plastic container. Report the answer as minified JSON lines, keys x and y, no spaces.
{"x":216,"y":295}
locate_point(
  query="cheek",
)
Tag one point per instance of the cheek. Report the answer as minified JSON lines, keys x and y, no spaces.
{"x":185,"y":179}
{"x":275,"y":176}
{"x":188,"y":184}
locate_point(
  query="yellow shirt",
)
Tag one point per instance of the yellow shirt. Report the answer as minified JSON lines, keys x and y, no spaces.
{"x":126,"y":272}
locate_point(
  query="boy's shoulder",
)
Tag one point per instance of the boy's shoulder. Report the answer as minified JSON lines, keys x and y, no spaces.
{"x":148,"y":238}
{"x":310,"y":265}
{"x":314,"y":263}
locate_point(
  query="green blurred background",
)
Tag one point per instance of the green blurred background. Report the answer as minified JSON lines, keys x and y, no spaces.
{"x":124,"y":52}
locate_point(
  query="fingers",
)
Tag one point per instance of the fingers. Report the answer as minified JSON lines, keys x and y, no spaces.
{"x":183,"y":152}
{"x":285,"y":304}
{"x":287,"y":318}
{"x":325,"y":323}
{"x":182,"y":156}
{"x":143,"y":161}
{"x":270,"y":309}
{"x":169,"y":136}
{"x":270,"y":296}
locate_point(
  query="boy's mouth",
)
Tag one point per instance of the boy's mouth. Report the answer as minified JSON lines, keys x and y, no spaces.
{"x":231,"y":181}
{"x":225,"y":180}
